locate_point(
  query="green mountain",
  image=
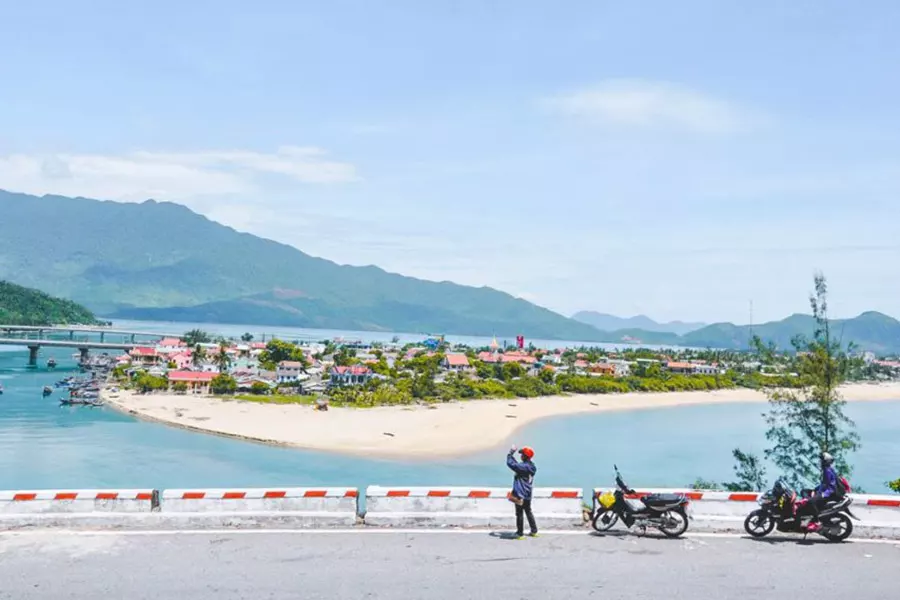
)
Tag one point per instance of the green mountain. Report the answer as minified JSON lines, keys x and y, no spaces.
{"x":607,"y":322}
{"x":162,"y":261}
{"x":22,"y":306}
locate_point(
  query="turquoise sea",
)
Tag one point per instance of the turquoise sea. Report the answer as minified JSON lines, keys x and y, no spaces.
{"x":43,"y":445}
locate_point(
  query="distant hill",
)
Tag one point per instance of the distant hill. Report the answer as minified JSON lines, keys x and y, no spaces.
{"x":871,"y":331}
{"x":22,"y":306}
{"x":606,"y":322}
{"x":163,"y":261}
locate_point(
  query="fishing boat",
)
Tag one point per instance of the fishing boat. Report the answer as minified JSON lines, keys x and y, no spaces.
{"x":79,"y":402}
{"x":1,"y":389}
{"x":47,"y":390}
{"x":51,"y":364}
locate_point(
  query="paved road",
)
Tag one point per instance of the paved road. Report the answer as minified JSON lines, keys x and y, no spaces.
{"x":232,"y":565}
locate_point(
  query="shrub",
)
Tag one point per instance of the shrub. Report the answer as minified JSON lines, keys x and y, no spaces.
{"x":223,"y":384}
{"x":180,"y":387}
{"x":259,"y":388}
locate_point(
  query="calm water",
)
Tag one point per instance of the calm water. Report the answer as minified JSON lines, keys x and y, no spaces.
{"x":43,"y":445}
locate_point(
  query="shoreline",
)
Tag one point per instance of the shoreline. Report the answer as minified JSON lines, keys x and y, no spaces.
{"x":417,"y":432}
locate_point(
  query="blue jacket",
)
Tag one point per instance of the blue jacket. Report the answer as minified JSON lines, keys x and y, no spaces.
{"x":828,"y":487}
{"x":525,"y":472}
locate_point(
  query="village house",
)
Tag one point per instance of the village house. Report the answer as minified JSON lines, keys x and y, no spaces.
{"x":197,"y":382}
{"x":456,"y":361}
{"x":519,"y":357}
{"x":680,"y":368}
{"x":290,"y":371}
{"x":599,"y":369}
{"x":705,"y":369}
{"x":489,"y":357}
{"x":350,"y":375}
{"x":170,"y":346}
{"x":144,"y":356}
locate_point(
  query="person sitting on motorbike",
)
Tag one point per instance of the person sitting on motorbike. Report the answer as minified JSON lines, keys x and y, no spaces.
{"x":826,"y":489}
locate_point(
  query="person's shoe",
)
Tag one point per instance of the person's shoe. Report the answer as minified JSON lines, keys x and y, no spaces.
{"x":813,"y":527}
{"x":533,"y":534}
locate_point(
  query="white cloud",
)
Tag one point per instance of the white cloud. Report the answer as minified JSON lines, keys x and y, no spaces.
{"x":166,"y":176}
{"x":654,"y":104}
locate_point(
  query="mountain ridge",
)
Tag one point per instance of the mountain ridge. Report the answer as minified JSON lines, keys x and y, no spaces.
{"x":124,"y":258}
{"x":609,"y":322}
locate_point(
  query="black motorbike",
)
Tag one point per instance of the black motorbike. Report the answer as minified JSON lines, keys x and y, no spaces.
{"x":666,"y":512}
{"x":781,"y":509}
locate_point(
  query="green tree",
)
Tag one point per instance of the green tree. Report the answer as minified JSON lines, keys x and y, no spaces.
{"x":345,"y":357}
{"x":223,"y":384}
{"x":198,"y":356}
{"x":196,"y":336}
{"x":810,"y":420}
{"x":222,"y":359}
{"x":750,"y":472}
{"x":277,"y":351}
{"x":247,"y":338}
{"x":547,"y":375}
{"x":180,"y":387}
{"x":147,"y":383}
{"x":259,"y":388}
{"x":512,"y":370}
{"x":894,"y":485}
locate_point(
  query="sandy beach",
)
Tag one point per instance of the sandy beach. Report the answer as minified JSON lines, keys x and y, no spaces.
{"x":419,"y":431}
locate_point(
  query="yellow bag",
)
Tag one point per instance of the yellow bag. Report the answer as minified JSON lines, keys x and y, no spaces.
{"x":606,"y":500}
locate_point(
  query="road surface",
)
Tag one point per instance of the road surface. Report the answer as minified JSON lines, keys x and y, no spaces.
{"x":440,"y":565}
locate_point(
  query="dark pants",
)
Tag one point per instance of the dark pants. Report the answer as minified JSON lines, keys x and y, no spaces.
{"x":525,"y":510}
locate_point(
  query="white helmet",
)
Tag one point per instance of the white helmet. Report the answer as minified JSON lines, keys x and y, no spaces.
{"x":827,"y":459}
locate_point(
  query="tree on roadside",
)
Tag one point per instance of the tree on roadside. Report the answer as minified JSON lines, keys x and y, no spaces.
{"x":807,"y":421}
{"x":180,"y":387}
{"x":196,"y":336}
{"x":894,"y":485}
{"x":750,"y":472}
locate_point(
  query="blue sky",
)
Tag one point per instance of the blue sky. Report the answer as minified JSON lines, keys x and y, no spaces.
{"x":677,"y":159}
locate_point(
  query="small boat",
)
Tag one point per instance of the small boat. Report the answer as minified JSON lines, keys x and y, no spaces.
{"x":47,"y":390}
{"x":1,"y":389}
{"x":51,"y":364}
{"x":79,"y":402}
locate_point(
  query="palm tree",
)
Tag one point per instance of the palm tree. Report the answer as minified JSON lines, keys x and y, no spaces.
{"x":198,"y":356}
{"x":222,"y":359}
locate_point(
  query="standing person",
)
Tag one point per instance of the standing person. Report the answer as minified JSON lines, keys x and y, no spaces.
{"x":522,"y":486}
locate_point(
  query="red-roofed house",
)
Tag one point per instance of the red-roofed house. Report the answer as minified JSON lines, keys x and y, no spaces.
{"x":489,"y":357}
{"x":197,"y":381}
{"x":167,"y":345}
{"x":456,"y":361}
{"x":350,"y":375}
{"x":682,"y":368}
{"x":602,"y":369}
{"x":145,"y":356}
{"x":519,"y":358}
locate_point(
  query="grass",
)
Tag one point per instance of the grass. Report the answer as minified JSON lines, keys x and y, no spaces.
{"x":276,"y":399}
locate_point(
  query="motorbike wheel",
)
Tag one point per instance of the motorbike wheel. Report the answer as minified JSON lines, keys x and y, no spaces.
{"x":838,"y":528}
{"x":604,"y":520}
{"x":759,"y":524}
{"x":678,"y":525}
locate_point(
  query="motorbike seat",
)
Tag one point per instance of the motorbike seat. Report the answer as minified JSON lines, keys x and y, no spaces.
{"x":662,"y":499}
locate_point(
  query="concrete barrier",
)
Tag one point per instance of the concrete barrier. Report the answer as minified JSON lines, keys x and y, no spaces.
{"x":726,"y":511}
{"x":75,"y":501}
{"x":288,"y":506}
{"x":468,"y":507}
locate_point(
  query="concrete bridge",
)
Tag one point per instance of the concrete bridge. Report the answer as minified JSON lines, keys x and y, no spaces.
{"x":84,"y":339}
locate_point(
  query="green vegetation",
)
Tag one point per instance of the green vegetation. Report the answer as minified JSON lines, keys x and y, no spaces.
{"x":277,"y":351}
{"x":180,"y":387}
{"x":206,"y":272}
{"x":894,"y":485}
{"x":23,"y":306}
{"x":276,"y":399}
{"x":146,"y":383}
{"x":223,"y":384}
{"x":196,"y":336}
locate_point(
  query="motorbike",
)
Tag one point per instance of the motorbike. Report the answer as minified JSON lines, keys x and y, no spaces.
{"x":781,"y":509}
{"x":668,"y":513}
